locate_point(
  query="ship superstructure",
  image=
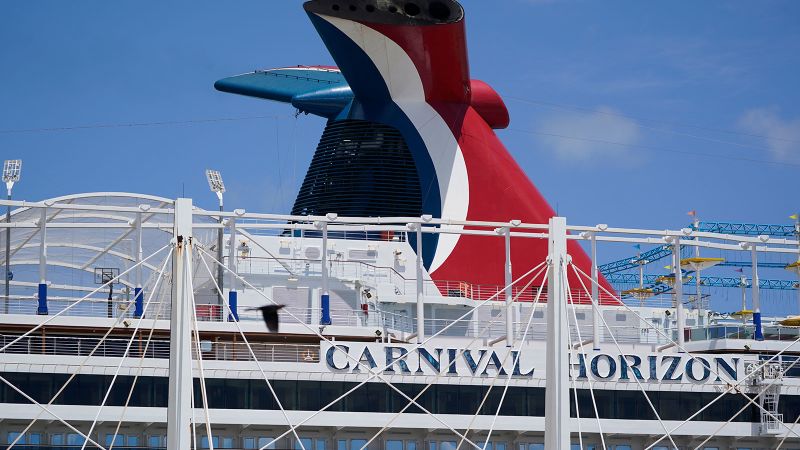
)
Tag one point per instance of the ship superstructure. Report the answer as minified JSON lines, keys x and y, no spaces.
{"x":432,"y":300}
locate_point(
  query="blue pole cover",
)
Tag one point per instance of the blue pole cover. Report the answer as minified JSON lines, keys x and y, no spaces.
{"x":233,"y":302}
{"x":326,"y":309}
{"x":42,"y":309}
{"x":138,"y":298}
{"x":759,"y":333}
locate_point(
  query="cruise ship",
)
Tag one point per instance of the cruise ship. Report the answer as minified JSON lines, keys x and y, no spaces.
{"x":427,"y":296}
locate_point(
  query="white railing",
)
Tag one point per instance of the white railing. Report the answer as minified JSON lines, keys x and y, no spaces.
{"x":158,"y":348}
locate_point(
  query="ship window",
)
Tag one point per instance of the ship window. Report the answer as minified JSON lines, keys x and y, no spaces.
{"x":35,"y":438}
{"x":248,"y":443}
{"x":306,"y":444}
{"x":580,"y":316}
{"x":341,"y":444}
{"x":321,"y":444}
{"x":133,"y":441}
{"x":448,"y":445}
{"x":155,"y":441}
{"x":13,"y":435}
{"x":74,"y":439}
{"x":690,"y":322}
{"x":411,"y":445}
{"x":227,"y":442}
{"x":204,"y":441}
{"x":394,"y":445}
{"x":262,"y":441}
{"x":57,"y":439}
{"x":117,"y":441}
{"x":356,"y":444}
{"x":621,"y":318}
{"x":536,"y":447}
{"x":622,"y":447}
{"x":432,"y":445}
{"x":538,"y":314}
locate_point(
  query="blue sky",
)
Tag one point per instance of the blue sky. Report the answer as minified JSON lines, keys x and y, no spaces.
{"x":628,"y":113}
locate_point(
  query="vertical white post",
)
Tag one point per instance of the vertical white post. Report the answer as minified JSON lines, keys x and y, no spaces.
{"x":759,"y":335}
{"x":595,"y":297}
{"x":325,"y":300}
{"x":179,"y":411}
{"x":743,"y":283}
{"x":42,"y":308}
{"x":138,"y":296}
{"x":509,"y":291}
{"x":233,"y":299}
{"x":676,"y":265}
{"x":220,"y":254}
{"x":556,"y":434}
{"x":420,"y":288}
{"x":797,"y":232}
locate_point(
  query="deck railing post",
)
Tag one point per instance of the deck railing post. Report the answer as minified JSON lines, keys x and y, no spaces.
{"x":678,"y":287}
{"x":759,"y":333}
{"x":595,"y":297}
{"x":138,"y":294}
{"x":233,"y":296}
{"x":42,"y":308}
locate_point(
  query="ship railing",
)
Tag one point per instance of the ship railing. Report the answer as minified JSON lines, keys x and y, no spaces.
{"x":293,"y":230}
{"x":157,"y":348}
{"x":538,"y":330}
{"x":715,"y":332}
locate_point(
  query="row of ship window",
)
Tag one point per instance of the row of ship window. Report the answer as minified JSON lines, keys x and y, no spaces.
{"x":252,"y":442}
{"x":380,"y":398}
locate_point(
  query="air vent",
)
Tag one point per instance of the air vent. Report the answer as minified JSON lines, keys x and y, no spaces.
{"x":361,"y":169}
{"x":313,"y":253}
{"x":362,"y":255}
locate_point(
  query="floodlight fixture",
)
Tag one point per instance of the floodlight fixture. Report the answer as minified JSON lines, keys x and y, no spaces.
{"x":215,"y":183}
{"x":12,"y":169}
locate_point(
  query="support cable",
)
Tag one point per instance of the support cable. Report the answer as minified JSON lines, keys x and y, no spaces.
{"x":783,"y":439}
{"x":203,"y":393}
{"x":510,"y":373}
{"x":586,"y":358}
{"x":140,"y":369}
{"x":461,"y":352}
{"x":49,"y":411}
{"x":369,"y":369}
{"x":72,"y":305}
{"x":760,"y":393}
{"x":253,"y":355}
{"x":621,"y":352}
{"x":127,"y":348}
{"x":571,"y":353}
{"x":494,"y":379}
{"x":715,"y":372}
{"x":73,"y":375}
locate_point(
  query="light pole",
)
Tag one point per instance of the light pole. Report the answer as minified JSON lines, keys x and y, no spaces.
{"x":11,"y":172}
{"x":218,"y":187}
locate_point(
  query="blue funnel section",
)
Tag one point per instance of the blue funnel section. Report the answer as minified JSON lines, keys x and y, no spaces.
{"x":321,"y":91}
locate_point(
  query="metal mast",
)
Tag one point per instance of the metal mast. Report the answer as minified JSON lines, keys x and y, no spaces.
{"x":556,"y":434}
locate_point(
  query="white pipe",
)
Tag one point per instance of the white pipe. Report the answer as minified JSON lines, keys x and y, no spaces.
{"x":681,"y":315}
{"x":420,"y":289}
{"x":595,"y":297}
{"x":508,"y":289}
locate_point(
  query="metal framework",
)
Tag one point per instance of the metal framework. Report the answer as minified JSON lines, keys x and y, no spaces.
{"x":181,"y":228}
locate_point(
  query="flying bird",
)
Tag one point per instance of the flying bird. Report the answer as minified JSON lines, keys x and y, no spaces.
{"x":270,"y":313}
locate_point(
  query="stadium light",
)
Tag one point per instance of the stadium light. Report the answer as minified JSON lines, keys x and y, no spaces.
{"x":12,"y":169}
{"x":215,"y":184}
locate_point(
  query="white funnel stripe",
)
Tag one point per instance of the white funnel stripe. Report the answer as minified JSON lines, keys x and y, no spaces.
{"x":405,"y":86}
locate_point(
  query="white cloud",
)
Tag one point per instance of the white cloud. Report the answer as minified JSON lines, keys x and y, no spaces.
{"x":781,"y":136}
{"x":589,"y":137}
